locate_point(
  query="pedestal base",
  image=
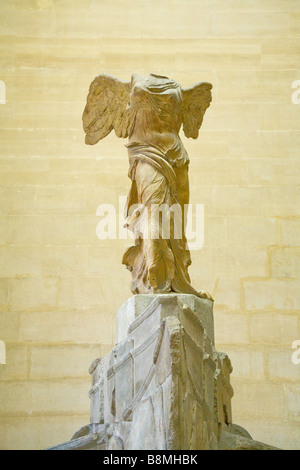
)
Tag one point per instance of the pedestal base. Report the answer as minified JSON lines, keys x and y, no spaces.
{"x":163,"y":386}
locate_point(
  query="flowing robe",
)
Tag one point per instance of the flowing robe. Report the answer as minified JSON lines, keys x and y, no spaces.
{"x":158,"y":168}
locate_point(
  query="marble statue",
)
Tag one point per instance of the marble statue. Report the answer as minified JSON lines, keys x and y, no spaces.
{"x":164,"y":385}
{"x":150,"y":112}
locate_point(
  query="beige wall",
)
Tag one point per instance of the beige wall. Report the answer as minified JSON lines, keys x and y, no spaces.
{"x":60,"y":286}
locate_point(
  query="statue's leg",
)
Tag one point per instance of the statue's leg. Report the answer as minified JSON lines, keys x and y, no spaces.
{"x":152,"y":191}
{"x":181,"y":282}
{"x":183,"y":189}
{"x":159,"y":264}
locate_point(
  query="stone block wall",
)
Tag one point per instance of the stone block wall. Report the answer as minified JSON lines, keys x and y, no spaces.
{"x":60,"y":287}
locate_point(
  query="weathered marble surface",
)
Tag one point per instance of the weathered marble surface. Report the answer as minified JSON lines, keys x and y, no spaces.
{"x":137,"y":305}
{"x":150,"y":111}
{"x":163,"y":386}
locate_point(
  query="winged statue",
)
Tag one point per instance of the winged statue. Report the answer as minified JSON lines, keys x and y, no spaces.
{"x":150,"y":112}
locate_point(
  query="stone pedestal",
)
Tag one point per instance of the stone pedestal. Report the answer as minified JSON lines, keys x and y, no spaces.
{"x":163,"y":386}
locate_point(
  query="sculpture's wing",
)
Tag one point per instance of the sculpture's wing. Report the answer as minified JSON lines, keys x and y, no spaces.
{"x":195,"y":101}
{"x":106,"y":109}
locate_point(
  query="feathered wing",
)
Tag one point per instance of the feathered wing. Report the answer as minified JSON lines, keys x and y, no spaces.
{"x":195,"y":101}
{"x":106,"y":109}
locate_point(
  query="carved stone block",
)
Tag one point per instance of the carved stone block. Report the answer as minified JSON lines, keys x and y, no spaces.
{"x":164,"y":385}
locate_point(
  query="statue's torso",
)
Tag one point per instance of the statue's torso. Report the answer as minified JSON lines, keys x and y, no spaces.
{"x":158,"y":119}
